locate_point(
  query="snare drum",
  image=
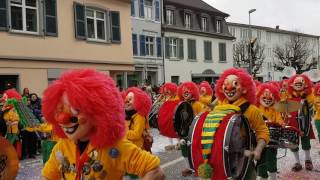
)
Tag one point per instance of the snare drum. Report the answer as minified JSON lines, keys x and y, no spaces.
{"x":289,"y":137}
{"x":275,"y":132}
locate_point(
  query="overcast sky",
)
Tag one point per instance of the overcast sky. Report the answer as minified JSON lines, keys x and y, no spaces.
{"x":301,"y":15}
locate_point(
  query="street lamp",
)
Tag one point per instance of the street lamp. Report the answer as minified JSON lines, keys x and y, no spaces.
{"x":250,"y":36}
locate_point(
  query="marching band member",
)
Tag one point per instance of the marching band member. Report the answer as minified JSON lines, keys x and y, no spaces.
{"x":316,"y":94}
{"x":205,"y":95}
{"x":267,"y":96}
{"x":284,"y":90}
{"x":300,"y":88}
{"x":87,"y":112}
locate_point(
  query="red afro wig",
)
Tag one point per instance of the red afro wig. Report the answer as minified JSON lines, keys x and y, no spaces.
{"x":194,"y":90}
{"x":207,"y":86}
{"x":316,"y":91}
{"x":307,"y":81}
{"x":171,"y":87}
{"x":246,"y":82}
{"x":283,"y":83}
{"x":142,"y":101}
{"x":96,"y":96}
{"x":272,"y":88}
{"x":257,"y":83}
{"x":12,"y":93}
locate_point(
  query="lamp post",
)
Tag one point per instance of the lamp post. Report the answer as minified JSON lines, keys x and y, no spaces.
{"x":250,"y":36}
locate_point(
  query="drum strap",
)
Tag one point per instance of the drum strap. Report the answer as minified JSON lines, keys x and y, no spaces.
{"x":244,"y":107}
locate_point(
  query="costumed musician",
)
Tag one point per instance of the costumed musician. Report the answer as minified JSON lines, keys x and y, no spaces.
{"x":316,"y":106}
{"x":205,"y":95}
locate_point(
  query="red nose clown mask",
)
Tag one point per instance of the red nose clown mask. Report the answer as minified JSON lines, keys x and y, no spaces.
{"x":299,"y":84}
{"x":232,"y":88}
{"x":129,"y":102}
{"x":203,"y":91}
{"x":73,"y":123}
{"x":187,"y":94}
{"x":167,"y":92}
{"x":267,"y":99}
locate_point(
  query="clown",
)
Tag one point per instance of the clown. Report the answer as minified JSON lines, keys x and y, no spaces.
{"x":316,"y":94}
{"x":170,"y":91}
{"x":189,"y":92}
{"x":87,"y":112}
{"x":284,"y":90}
{"x":300,"y":89}
{"x":267,"y":96}
{"x":236,"y":93}
{"x":137,"y":108}
{"x":205,"y":95}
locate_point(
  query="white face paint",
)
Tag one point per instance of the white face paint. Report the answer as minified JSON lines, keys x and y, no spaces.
{"x":299,"y":83}
{"x":129,"y":102}
{"x":232,"y":88}
{"x":267,"y":98}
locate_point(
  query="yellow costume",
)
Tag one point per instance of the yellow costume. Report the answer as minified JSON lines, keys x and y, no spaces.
{"x":197,"y":107}
{"x":116,"y":161}
{"x":317,"y":108}
{"x":271,"y":114}
{"x":12,"y":119}
{"x":136,"y":126}
{"x":254,"y":117}
{"x":205,"y":100}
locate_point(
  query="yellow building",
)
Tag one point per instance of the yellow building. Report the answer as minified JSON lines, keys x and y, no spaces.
{"x":39,"y":39}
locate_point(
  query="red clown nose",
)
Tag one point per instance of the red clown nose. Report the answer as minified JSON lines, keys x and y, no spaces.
{"x":64,"y":118}
{"x":229,"y":87}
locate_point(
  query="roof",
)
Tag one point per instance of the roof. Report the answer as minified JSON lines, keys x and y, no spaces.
{"x":270,"y":29}
{"x":196,"y":4}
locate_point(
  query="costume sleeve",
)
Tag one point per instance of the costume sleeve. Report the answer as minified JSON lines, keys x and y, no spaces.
{"x":197,"y":108}
{"x":137,"y":127}
{"x":279,"y":119}
{"x":257,"y":123}
{"x":205,"y":99}
{"x":51,"y":168}
{"x":310,"y":99}
{"x":137,"y":161}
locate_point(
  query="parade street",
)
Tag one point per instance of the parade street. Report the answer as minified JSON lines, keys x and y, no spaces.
{"x":173,"y":163}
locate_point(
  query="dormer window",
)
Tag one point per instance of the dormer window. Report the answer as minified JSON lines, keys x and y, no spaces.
{"x":219,"y":26}
{"x":204,"y":24}
{"x":187,"y":20}
{"x":169,"y":17}
{"x":148,"y":9}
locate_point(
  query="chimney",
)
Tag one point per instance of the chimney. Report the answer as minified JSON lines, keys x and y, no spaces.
{"x":277,"y":27}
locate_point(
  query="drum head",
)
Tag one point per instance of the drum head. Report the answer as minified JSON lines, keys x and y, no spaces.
{"x":304,"y":118}
{"x":9,"y":162}
{"x":237,"y":140}
{"x":182,"y":118}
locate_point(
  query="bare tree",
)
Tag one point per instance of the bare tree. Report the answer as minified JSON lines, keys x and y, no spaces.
{"x":244,"y":52}
{"x":295,"y":53}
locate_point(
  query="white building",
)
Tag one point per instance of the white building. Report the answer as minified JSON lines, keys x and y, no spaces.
{"x":271,"y":38}
{"x":197,"y":44}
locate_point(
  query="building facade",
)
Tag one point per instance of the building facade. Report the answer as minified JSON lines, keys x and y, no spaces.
{"x":197,"y":43}
{"x":146,"y":42}
{"x":271,"y":38}
{"x":41,"y":39}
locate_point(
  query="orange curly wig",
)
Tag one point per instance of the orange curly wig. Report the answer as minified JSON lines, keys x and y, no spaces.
{"x":272,"y":88}
{"x":307,"y":80}
{"x":193,"y":89}
{"x":245,"y":80}
{"x":171,"y":87}
{"x":142,"y":101}
{"x":12,"y":93}
{"x":207,"y":86}
{"x":95,"y":95}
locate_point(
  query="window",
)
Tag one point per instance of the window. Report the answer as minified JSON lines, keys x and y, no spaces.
{"x":219,"y":26}
{"x":187,"y":20}
{"x":173,"y":48}
{"x":96,"y":25}
{"x":207,"y":51}
{"x":149,"y":46}
{"x":133,"y":8}
{"x":157,"y":18}
{"x":148,"y":9}
{"x":222,"y":52}
{"x":232,"y":30}
{"x":169,"y":17}
{"x":268,"y":36}
{"x":204,"y":22}
{"x":192,"y":51}
{"x":24,"y":16}
{"x":159,"y":47}
{"x":135,"y":44}
{"x":175,"y":79}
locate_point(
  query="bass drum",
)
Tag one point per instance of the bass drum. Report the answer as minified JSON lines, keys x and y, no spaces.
{"x":227,"y":157}
{"x":305,"y":117}
{"x":9,"y":162}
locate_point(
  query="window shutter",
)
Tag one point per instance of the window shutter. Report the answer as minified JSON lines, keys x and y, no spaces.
{"x":167,"y":47}
{"x":115,"y":26}
{"x":157,"y":10}
{"x":50,"y":17}
{"x":133,"y":8}
{"x":180,"y":46}
{"x":135,"y":44}
{"x":141,"y":11}
{"x":222,"y":52}
{"x":210,"y":51}
{"x":142,"y":45}
{"x":79,"y":20}
{"x":3,"y":15}
{"x":159,"y":47}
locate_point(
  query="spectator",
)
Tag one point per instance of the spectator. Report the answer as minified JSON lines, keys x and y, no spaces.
{"x":26,"y":93}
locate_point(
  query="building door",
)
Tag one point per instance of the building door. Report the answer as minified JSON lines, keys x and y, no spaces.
{"x":8,"y":82}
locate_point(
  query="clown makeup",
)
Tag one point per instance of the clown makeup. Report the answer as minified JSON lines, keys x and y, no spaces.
{"x":232,"y":88}
{"x":129,"y":102}
{"x":299,"y":83}
{"x":167,"y":92}
{"x":4,"y":98}
{"x":187,"y":95}
{"x":267,"y":98}
{"x":73,"y":123}
{"x":203,"y":91}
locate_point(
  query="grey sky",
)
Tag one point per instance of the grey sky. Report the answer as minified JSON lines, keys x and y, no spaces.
{"x":301,"y":15}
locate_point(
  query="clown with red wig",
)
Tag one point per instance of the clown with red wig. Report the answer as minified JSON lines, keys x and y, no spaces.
{"x":170,"y":92}
{"x":316,"y":94}
{"x":236,"y":93}
{"x":205,"y":95}
{"x":87,"y":112}
{"x":300,"y":90}
{"x":189,"y":92}
{"x":267,"y":96}
{"x":137,"y":108}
